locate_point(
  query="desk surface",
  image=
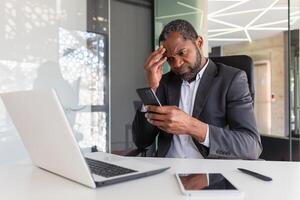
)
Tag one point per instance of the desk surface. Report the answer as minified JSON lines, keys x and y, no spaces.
{"x":21,"y":180}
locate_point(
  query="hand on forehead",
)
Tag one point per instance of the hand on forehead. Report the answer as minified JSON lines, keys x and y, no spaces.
{"x":174,"y":43}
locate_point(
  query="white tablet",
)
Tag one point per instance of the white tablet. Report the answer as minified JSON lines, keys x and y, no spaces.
{"x":207,"y":185}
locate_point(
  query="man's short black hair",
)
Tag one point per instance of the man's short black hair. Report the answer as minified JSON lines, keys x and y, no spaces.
{"x":181,"y":26}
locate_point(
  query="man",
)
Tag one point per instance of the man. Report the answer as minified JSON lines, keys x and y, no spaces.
{"x":207,"y":108}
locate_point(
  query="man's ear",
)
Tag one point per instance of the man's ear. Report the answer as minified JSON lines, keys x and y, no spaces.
{"x":199,"y":41}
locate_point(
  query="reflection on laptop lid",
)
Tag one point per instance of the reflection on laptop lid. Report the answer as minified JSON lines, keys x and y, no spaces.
{"x":41,"y":122}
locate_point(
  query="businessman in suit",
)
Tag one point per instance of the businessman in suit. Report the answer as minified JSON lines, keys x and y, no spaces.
{"x":207,"y":108}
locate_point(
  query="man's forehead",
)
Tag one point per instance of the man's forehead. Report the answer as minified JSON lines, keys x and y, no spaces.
{"x":173,"y":49}
{"x":173,"y":43}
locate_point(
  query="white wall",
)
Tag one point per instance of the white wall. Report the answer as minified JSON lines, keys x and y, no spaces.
{"x":130,"y":45}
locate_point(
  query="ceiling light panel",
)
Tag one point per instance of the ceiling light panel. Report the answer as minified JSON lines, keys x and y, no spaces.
{"x":247,"y":19}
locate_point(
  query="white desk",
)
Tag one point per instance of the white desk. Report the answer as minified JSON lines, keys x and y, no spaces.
{"x":23,"y":181}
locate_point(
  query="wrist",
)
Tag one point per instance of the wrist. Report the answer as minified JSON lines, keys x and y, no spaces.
{"x":197,"y":129}
{"x":153,"y":86}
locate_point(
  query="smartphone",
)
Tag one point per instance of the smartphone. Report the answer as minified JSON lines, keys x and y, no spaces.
{"x":148,"y":96}
{"x":207,"y":185}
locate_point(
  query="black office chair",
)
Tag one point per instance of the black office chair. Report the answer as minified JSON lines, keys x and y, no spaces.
{"x":242,"y":62}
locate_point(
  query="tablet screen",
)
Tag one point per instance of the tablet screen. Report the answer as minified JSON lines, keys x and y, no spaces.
{"x":203,"y":181}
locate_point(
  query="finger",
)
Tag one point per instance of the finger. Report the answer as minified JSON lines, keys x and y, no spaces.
{"x":162,"y":128}
{"x":154,"y":116}
{"x":158,"y":66}
{"x":161,"y":66}
{"x":156,"y":109}
{"x":162,"y":109}
{"x":155,"y":57}
{"x":154,"y":53}
{"x":157,"y":123}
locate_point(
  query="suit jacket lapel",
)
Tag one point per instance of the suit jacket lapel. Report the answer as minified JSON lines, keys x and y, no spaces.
{"x":204,"y":88}
{"x":174,"y":90}
{"x":201,"y":98}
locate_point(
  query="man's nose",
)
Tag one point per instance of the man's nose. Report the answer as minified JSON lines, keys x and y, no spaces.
{"x":177,"y":62}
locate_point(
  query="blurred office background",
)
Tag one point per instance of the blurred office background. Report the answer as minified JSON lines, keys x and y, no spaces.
{"x":93,"y":51}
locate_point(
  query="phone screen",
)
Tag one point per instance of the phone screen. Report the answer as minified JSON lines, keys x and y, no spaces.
{"x":205,"y":181}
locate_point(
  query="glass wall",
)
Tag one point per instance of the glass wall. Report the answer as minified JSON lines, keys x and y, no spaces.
{"x":294,"y":79}
{"x":63,"y":45}
{"x":257,"y":29}
{"x":267,"y":31}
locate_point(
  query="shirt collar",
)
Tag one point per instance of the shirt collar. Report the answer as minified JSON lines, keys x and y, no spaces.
{"x":200,"y":74}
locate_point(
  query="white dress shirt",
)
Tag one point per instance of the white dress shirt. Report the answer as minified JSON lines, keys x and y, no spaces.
{"x":182,"y":146}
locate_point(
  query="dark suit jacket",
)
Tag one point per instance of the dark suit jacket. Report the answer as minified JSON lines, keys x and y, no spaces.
{"x":223,"y":101}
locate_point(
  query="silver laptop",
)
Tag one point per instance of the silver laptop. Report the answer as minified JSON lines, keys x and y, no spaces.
{"x":49,"y":139}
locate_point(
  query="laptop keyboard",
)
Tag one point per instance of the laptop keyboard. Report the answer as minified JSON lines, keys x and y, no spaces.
{"x":106,"y":170}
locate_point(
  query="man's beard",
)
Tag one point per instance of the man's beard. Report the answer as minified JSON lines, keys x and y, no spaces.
{"x":194,"y":69}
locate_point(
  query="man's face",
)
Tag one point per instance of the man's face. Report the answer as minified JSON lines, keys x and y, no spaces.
{"x":183,"y":56}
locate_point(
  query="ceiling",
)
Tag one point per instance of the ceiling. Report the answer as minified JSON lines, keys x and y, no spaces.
{"x":235,"y":21}
{"x":232,"y":21}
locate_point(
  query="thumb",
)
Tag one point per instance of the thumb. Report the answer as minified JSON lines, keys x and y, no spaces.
{"x":160,"y":68}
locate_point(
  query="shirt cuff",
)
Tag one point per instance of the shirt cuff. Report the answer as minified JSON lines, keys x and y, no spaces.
{"x":206,"y":140}
{"x":143,"y":108}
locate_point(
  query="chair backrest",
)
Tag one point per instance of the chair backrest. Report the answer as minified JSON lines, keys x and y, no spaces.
{"x":242,"y":62}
